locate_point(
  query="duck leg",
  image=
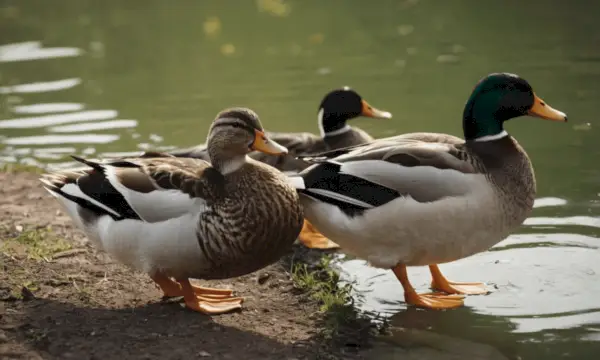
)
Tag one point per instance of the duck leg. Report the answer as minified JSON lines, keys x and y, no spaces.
{"x":172,"y":288}
{"x":440,"y":283}
{"x":206,"y":301}
{"x":428,"y":300}
{"x":169,"y":287}
{"x":313,"y":239}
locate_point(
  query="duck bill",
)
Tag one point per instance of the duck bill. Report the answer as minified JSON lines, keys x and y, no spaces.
{"x":369,"y":111}
{"x":544,"y":111}
{"x":263,"y":144}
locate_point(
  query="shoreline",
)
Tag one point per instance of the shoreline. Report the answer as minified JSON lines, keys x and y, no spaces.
{"x":63,"y":298}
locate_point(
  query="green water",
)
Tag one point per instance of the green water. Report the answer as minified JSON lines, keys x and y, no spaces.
{"x":96,"y":78}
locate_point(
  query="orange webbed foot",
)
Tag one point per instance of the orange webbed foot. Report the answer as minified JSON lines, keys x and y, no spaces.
{"x":313,"y":239}
{"x":440,"y":283}
{"x":209,"y":301}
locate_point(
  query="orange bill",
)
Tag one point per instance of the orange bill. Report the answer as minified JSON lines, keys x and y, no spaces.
{"x":544,"y":111}
{"x":263,"y":144}
{"x":369,"y":111}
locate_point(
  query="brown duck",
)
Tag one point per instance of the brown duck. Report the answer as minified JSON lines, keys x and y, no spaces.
{"x":180,"y":218}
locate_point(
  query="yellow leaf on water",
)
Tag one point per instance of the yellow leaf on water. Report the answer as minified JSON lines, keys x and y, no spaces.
{"x":227,"y":49}
{"x":274,"y":7}
{"x":212,"y":26}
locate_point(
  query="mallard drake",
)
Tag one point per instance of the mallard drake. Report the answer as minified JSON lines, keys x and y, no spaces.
{"x":426,"y":198}
{"x":336,"y":108}
{"x":184,"y":218}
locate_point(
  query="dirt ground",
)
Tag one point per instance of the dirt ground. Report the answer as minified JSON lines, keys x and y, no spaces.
{"x":61,"y":298}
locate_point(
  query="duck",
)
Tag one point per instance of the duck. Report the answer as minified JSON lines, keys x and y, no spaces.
{"x":429,"y":198}
{"x":180,"y":218}
{"x":336,"y":108}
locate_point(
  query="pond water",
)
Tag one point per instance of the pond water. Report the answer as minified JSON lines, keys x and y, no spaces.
{"x":112,"y":77}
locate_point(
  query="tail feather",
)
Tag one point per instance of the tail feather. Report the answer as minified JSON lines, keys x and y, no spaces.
{"x":65,"y":185}
{"x":92,"y":164}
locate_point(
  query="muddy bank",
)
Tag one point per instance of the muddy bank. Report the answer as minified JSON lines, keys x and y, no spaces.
{"x":62,"y":298}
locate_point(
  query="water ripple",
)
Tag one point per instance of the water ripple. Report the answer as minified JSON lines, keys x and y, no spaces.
{"x":62,"y":139}
{"x":55,"y":119}
{"x":41,"y":87}
{"x":570,"y":220}
{"x":101,"y":125}
{"x":32,"y":50}
{"x":47,"y":108}
{"x":549,"y":201}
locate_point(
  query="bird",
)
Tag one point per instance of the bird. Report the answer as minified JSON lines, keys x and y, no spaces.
{"x":336,"y":108}
{"x":429,"y":198}
{"x":180,"y":218}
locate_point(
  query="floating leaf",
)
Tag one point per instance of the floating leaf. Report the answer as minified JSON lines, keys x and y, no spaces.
{"x":212,"y":26}
{"x":274,"y":7}
{"x":227,"y":49}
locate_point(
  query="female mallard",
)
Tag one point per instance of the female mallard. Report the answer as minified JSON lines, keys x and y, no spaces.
{"x":185,"y":218}
{"x":425,"y":198}
{"x":336,"y":108}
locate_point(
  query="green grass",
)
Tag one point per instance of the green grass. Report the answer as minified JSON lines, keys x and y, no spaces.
{"x":322,"y":283}
{"x":342,"y":322}
{"x":37,"y":244}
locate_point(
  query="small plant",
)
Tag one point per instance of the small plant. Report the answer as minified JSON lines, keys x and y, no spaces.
{"x":323,"y":284}
{"x":38,"y":244}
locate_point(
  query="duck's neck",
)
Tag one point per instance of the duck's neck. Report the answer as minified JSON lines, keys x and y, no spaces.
{"x":479,"y":128}
{"x":481,"y":119}
{"x":231,"y":165}
{"x":226,"y":163}
{"x":331,"y":124}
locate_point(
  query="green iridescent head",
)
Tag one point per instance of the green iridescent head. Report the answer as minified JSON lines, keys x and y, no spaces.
{"x":500,"y":97}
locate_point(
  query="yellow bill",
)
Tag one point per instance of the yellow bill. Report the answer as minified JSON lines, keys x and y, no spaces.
{"x":544,"y":111}
{"x":263,"y":144}
{"x":369,"y":111}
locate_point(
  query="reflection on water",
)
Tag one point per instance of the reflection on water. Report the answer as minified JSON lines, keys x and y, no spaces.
{"x":46,"y":108}
{"x":105,"y":79}
{"x":47,"y":120}
{"x":41,"y":87}
{"x":54,"y":113}
{"x":101,"y":125}
{"x":32,"y":50}
{"x":61,"y":139}
{"x":544,"y":291}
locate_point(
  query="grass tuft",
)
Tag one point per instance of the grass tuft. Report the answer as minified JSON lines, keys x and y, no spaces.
{"x":342,"y":323}
{"x":37,"y":244}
